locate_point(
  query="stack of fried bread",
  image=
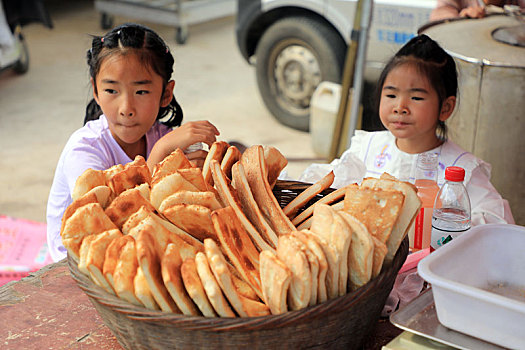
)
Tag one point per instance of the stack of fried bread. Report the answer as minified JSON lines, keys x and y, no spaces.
{"x":216,"y":242}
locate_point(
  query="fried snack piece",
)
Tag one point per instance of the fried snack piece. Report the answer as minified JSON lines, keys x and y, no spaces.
{"x":86,"y":220}
{"x":195,"y":177}
{"x":110,"y":172}
{"x":255,"y":168}
{"x":82,"y":253}
{"x":250,"y":207}
{"x":380,"y":251}
{"x":243,"y":306}
{"x":192,"y":218}
{"x":88,"y":180}
{"x":229,"y":197}
{"x":168,"y":185}
{"x":150,"y":248}
{"x":309,"y":193}
{"x":238,"y":246}
{"x":231,"y":156}
{"x":133,"y":174}
{"x":125,"y":205}
{"x":291,"y":254}
{"x":111,"y":258}
{"x":143,"y":292}
{"x":275,"y":163}
{"x":408,"y":213}
{"x":275,"y":280}
{"x":207,"y":199}
{"x":169,"y":165}
{"x":376,"y":208}
{"x":145,"y":216}
{"x":328,"y":224}
{"x":316,"y":249}
{"x":314,"y":267}
{"x":361,"y":254}
{"x":171,"y":264}
{"x":124,"y":273}
{"x":96,"y":257}
{"x":328,"y":199}
{"x":99,"y":194}
{"x":216,"y":152}
{"x":211,"y":287}
{"x":195,"y":288}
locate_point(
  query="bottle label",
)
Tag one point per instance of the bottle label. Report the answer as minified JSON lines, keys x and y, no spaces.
{"x":442,"y":236}
{"x":422,"y":229}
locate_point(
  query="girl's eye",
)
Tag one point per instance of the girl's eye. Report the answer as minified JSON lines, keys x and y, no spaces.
{"x":417,"y":98}
{"x":110,"y":91}
{"x":142,"y":92}
{"x":390,"y":95}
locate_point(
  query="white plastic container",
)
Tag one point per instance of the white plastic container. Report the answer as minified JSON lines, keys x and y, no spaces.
{"x":469,"y":276}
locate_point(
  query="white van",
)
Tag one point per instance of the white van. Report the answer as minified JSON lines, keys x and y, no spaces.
{"x":295,"y":45}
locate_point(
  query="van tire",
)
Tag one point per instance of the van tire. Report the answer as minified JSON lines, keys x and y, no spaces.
{"x":293,"y":56}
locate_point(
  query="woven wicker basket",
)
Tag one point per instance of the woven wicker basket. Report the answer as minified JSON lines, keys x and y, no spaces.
{"x":340,"y":323}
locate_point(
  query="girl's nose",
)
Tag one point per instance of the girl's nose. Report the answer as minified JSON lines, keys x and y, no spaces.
{"x":400,"y":108}
{"x":126,"y":108}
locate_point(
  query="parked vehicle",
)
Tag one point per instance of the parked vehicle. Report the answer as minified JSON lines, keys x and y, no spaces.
{"x":296,"y":44}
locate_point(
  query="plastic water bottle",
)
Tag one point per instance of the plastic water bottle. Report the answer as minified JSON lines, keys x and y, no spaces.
{"x":427,"y":189}
{"x":451,"y":214}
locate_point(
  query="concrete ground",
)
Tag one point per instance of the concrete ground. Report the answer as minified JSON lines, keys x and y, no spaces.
{"x":40,"y":109}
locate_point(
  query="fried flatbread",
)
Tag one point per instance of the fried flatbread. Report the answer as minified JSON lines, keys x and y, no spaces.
{"x":100,"y":194}
{"x":211,"y":287}
{"x":275,"y":280}
{"x":171,"y":264}
{"x":192,"y":218}
{"x":333,"y":228}
{"x":169,"y":165}
{"x":328,"y":199}
{"x":376,"y":208}
{"x":146,"y":216}
{"x":86,"y":220}
{"x":82,"y":253}
{"x":254,"y":166}
{"x":150,"y":249}
{"x":143,"y":292}
{"x":110,"y":172}
{"x":195,"y":288}
{"x":88,"y":180}
{"x":229,"y":197}
{"x":316,"y":249}
{"x":238,"y":246}
{"x":243,"y":306}
{"x":216,"y":152}
{"x":133,"y":174}
{"x":96,"y":257}
{"x":314,"y":266}
{"x":124,"y":273}
{"x":408,"y":213}
{"x":275,"y":163}
{"x":125,"y":205}
{"x":207,"y":199}
{"x":361,"y":254}
{"x":291,"y":254}
{"x":249,"y":205}
{"x":195,"y":177}
{"x":380,"y":251}
{"x":111,"y":258}
{"x":309,"y":193}
{"x":168,"y":185}
{"x":231,"y":156}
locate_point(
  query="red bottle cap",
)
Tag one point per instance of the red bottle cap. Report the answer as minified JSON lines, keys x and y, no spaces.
{"x":454,"y":173}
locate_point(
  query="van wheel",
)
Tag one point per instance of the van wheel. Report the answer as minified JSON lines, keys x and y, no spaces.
{"x":293,"y":56}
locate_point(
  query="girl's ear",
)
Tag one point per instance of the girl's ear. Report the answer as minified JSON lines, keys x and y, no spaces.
{"x":93,"y":87}
{"x":168,"y":94}
{"x":447,"y":108}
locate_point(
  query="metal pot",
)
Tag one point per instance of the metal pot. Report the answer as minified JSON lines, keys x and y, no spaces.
{"x":489,"y":120}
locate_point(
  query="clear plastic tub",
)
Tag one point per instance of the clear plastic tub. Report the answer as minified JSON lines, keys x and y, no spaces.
{"x":478,"y":282}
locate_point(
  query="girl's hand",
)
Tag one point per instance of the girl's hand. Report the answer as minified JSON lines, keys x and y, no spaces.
{"x":473,"y":12}
{"x":182,"y":137}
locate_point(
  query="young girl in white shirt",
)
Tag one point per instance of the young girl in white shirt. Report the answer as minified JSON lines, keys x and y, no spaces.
{"x":417,"y":94}
{"x":133,"y":113}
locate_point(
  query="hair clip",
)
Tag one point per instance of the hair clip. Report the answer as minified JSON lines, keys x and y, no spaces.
{"x":118,"y":33}
{"x":167,"y":49}
{"x":102,"y":39}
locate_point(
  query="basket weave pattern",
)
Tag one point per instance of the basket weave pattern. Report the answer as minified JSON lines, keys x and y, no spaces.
{"x":343,"y":322}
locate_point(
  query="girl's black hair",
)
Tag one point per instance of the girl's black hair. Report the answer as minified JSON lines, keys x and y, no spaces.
{"x":433,"y":62}
{"x":151,"y":50}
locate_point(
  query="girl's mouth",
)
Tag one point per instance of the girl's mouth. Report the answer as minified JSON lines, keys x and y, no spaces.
{"x":400,"y":124}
